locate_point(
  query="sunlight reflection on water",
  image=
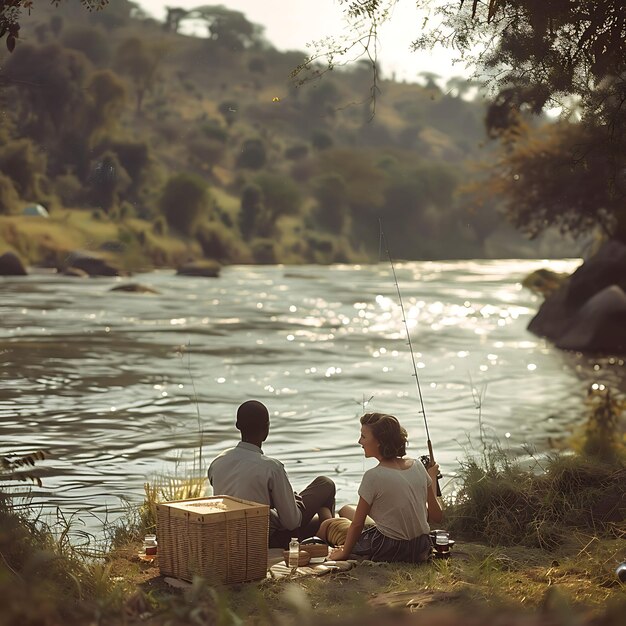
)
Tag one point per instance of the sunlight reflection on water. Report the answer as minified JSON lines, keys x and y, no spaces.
{"x":112,"y":383}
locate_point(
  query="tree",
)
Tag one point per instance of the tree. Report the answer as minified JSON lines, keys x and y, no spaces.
{"x":228,"y":29}
{"x":323,"y":98}
{"x":106,"y":99}
{"x":108,"y":181}
{"x":536,"y":55}
{"x":54,"y":78}
{"x":9,"y":198}
{"x":135,"y":158}
{"x":228,"y":109}
{"x":204,"y":152}
{"x":11,"y":12}
{"x":331,"y":193}
{"x":91,"y":41}
{"x":184,"y":199}
{"x":555,"y":176}
{"x":140,"y":61}
{"x":365,"y":182}
{"x":253,"y":154}
{"x":281,"y":196}
{"x":175,"y":15}
{"x":250,"y":210}
{"x":24,"y":164}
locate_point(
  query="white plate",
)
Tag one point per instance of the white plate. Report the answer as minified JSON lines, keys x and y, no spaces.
{"x":317,"y":560}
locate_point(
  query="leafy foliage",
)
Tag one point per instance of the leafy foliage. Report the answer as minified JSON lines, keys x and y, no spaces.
{"x":501,"y":503}
{"x":11,"y":12}
{"x":234,"y":130}
{"x":19,"y":467}
{"x":253,"y":154}
{"x":566,"y":54}
{"x":557,"y":176}
{"x":184,"y":200}
{"x":535,"y":55}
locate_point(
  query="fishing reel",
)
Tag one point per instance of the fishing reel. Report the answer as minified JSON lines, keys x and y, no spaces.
{"x":425,"y":459}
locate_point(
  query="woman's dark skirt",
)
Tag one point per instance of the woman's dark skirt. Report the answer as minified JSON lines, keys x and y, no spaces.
{"x":375,"y":546}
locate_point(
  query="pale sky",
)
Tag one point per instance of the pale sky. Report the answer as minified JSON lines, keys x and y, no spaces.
{"x":292,"y":24}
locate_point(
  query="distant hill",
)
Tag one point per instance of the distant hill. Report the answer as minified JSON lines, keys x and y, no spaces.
{"x":211,"y":141}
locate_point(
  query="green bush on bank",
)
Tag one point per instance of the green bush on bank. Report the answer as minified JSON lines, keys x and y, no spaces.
{"x":500,"y":503}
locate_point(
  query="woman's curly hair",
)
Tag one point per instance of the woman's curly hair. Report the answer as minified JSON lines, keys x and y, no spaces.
{"x":390,"y":435}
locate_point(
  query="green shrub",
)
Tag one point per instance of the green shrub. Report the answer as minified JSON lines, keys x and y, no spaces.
{"x":218,"y":242}
{"x":9,"y":198}
{"x":603,"y":436}
{"x":184,"y":200}
{"x":69,"y":189}
{"x":92,"y":42}
{"x":500,"y":503}
{"x":251,"y":209}
{"x":159,"y":225}
{"x":264,"y":251}
{"x":252,"y":155}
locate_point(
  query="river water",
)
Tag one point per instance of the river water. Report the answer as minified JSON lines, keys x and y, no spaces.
{"x":118,"y":387}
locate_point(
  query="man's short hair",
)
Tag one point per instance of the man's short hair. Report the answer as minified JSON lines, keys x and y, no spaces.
{"x":252,"y":417}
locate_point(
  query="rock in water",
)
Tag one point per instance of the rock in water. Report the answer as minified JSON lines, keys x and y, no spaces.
{"x":599,"y":325}
{"x":92,"y":264}
{"x":11,"y":265}
{"x":134,"y":288}
{"x":588,"y":311}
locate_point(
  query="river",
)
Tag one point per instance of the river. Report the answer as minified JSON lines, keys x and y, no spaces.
{"x":120,"y":388}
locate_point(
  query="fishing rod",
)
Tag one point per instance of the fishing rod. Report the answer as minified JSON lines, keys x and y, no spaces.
{"x":410,"y":344}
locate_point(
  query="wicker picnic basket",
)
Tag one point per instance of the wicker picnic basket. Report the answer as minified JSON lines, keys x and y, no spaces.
{"x":220,"y":538}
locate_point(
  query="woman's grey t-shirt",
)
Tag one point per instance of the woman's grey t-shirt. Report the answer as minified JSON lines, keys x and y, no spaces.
{"x":398,"y":499}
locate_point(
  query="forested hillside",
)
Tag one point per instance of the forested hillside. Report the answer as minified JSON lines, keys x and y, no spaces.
{"x":179,"y":146}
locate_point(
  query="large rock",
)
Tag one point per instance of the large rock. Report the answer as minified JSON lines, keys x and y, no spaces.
{"x":11,"y":265}
{"x":588,"y":312}
{"x":553,"y":315}
{"x":607,"y":267}
{"x":92,"y":264}
{"x":599,"y":325}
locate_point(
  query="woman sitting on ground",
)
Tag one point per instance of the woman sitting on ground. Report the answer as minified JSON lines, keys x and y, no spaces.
{"x":398,"y":495}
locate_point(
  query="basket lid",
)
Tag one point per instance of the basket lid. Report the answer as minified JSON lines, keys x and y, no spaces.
{"x":213,"y":504}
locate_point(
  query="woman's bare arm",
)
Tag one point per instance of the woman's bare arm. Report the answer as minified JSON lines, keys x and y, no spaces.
{"x":435,"y":514}
{"x":354,"y":532}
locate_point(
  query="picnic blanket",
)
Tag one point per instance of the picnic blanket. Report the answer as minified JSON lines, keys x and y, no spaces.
{"x":276,"y":567}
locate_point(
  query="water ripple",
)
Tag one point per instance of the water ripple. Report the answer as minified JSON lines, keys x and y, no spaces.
{"x":118,"y":387}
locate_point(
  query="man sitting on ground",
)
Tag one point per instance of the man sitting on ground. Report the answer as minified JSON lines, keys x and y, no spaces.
{"x":245,"y":472}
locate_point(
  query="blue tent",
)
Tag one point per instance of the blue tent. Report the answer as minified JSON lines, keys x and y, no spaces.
{"x":36,"y":210}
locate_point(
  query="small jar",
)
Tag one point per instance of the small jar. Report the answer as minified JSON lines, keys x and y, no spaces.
{"x":442,"y":543}
{"x":150,"y":545}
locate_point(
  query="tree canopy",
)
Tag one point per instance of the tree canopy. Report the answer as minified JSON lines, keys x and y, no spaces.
{"x":537,"y":55}
{"x":11,"y":12}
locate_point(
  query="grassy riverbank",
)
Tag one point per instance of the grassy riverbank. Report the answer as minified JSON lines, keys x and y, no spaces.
{"x":131,"y":244}
{"x":44,"y":582}
{"x":533,"y":547}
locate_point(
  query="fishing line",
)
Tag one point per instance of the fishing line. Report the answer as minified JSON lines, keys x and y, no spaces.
{"x":383,"y":241}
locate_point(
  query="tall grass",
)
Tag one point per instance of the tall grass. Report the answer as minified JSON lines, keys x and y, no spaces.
{"x":500,"y":503}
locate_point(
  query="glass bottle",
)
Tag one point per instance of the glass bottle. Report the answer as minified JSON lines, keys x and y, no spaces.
{"x":150,"y":545}
{"x":294,"y":552}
